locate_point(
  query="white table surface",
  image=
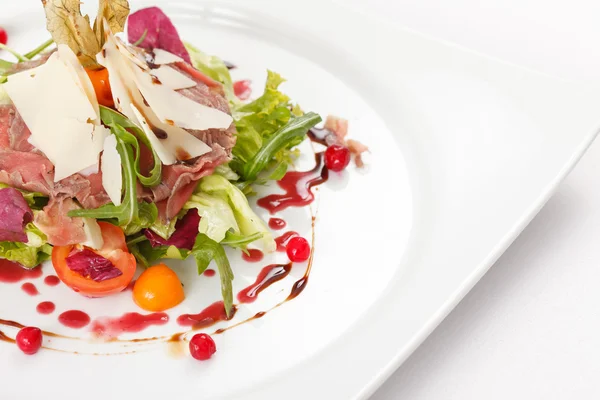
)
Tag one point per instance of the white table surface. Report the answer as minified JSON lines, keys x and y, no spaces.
{"x":530,"y":329}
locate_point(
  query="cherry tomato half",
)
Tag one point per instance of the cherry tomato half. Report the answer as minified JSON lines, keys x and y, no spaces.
{"x":99,"y":78}
{"x":114,"y":249}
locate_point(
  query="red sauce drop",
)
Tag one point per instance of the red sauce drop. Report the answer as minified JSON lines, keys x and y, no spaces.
{"x":51,"y":280}
{"x":30,"y":289}
{"x":209,"y":316}
{"x":209,"y":273}
{"x":74,"y":319}
{"x":297,"y":186}
{"x":267,"y":276}
{"x":283,"y":240}
{"x":254,"y":255}
{"x":46,"y":307}
{"x":130,"y":322}
{"x":11,"y":272}
{"x":277,"y":223}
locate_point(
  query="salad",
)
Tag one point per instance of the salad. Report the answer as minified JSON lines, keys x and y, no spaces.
{"x":121,"y":149}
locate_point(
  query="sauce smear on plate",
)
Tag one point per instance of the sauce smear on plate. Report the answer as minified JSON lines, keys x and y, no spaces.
{"x":11,"y":272}
{"x":297,"y":186}
{"x":254,"y":255}
{"x":74,"y":319}
{"x":46,"y":307}
{"x":30,"y":289}
{"x":267,"y":276}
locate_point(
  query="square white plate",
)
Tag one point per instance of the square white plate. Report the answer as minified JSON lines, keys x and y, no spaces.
{"x":465,"y":151}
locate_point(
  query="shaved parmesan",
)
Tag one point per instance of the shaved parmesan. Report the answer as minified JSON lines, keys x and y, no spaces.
{"x":178,"y":145}
{"x":169,"y":105}
{"x":172,"y":78}
{"x":84,"y":81}
{"x":175,"y":144}
{"x":93,"y":234}
{"x":164,"y":57}
{"x":52,"y":101}
{"x":112,"y":178}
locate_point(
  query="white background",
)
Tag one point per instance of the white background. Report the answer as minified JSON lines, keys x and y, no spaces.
{"x":530,"y":329}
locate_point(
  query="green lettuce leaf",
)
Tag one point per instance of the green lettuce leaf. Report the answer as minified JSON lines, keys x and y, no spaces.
{"x":215,"y":68}
{"x":215,"y":189}
{"x":30,"y":254}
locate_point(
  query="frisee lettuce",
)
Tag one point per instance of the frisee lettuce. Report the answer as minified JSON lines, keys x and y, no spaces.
{"x":268,"y":127}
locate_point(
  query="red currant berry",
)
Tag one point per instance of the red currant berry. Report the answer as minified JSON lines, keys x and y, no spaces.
{"x":29,"y":340}
{"x":3,"y":36}
{"x":298,"y":249}
{"x":202,"y":346}
{"x":337,"y":157}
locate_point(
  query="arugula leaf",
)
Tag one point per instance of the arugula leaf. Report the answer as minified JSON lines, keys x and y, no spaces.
{"x":239,"y":241}
{"x":268,"y":128}
{"x":204,"y":251}
{"x":128,"y":210}
{"x":294,"y":130}
{"x":112,"y":118}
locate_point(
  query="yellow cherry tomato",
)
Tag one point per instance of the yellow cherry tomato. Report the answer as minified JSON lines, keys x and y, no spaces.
{"x":158,"y":289}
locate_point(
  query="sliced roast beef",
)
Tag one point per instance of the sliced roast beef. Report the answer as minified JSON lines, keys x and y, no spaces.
{"x":27,"y":171}
{"x":13,"y":131}
{"x":54,"y":222}
{"x":210,"y":96}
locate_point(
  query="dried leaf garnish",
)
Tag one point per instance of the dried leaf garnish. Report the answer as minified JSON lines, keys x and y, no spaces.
{"x":67,"y":26}
{"x":115,"y":13}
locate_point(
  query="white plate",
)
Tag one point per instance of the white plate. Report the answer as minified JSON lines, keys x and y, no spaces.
{"x":465,"y":150}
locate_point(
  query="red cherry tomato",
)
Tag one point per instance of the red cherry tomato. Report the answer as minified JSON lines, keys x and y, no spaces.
{"x":114,"y":249}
